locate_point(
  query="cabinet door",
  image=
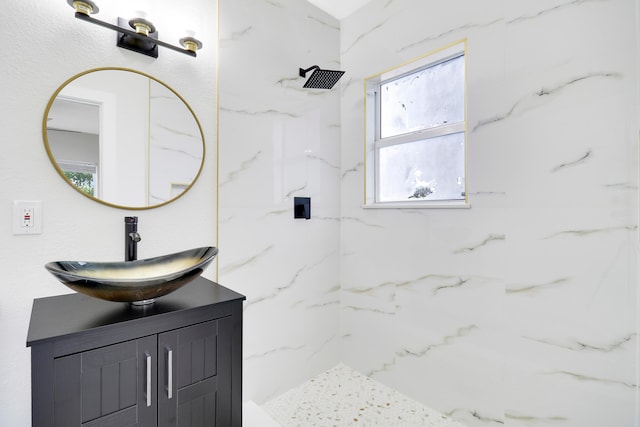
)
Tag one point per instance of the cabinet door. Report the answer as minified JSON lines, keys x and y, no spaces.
{"x":194,"y":365}
{"x":113,"y":385}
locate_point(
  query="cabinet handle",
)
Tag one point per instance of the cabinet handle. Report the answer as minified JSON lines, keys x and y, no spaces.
{"x":169,"y":373}
{"x":148,"y":380}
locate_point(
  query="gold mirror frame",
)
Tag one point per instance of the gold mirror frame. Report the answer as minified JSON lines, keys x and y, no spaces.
{"x":54,"y":161}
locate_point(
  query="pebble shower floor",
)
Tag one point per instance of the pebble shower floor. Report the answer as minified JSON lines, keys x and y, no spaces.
{"x":342,"y":397}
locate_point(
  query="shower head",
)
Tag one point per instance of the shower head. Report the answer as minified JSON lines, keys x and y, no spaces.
{"x":321,"y":79}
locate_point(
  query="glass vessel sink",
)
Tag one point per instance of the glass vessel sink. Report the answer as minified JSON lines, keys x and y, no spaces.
{"x":138,"y":282}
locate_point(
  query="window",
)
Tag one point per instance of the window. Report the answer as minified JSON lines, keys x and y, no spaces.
{"x":83,"y":176}
{"x":416,"y":132}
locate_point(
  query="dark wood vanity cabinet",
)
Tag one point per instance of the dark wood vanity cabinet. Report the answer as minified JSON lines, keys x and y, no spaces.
{"x":177,"y":362}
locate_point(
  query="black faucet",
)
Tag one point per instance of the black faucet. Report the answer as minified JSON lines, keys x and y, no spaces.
{"x":131,"y":238}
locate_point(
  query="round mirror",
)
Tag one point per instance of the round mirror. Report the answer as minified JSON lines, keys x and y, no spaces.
{"x":123,"y":138}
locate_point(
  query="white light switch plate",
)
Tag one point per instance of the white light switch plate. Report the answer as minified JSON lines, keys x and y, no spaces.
{"x":27,"y":217}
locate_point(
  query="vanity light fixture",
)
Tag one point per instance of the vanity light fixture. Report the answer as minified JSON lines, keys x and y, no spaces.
{"x":136,"y":34}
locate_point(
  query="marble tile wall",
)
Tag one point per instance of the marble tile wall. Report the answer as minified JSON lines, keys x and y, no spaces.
{"x":521,"y":311}
{"x":277,"y":141}
{"x":175,"y":140}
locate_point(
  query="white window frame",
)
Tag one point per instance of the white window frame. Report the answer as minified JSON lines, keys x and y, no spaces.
{"x":373,"y":142}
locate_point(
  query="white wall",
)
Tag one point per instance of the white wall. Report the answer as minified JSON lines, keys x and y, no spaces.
{"x":43,"y":46}
{"x":522,"y":310}
{"x":278,"y":141}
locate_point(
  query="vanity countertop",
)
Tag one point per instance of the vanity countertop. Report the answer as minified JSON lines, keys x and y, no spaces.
{"x":76,"y":316}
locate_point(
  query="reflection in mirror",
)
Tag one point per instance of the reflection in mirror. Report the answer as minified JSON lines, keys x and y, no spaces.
{"x":123,"y":138}
{"x":74,"y":141}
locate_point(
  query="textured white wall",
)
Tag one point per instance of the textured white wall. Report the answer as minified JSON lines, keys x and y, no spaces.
{"x":523,"y":309}
{"x":279,"y":141}
{"x":43,"y":45}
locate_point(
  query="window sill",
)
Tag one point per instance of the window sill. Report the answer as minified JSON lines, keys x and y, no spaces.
{"x":418,"y":205}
